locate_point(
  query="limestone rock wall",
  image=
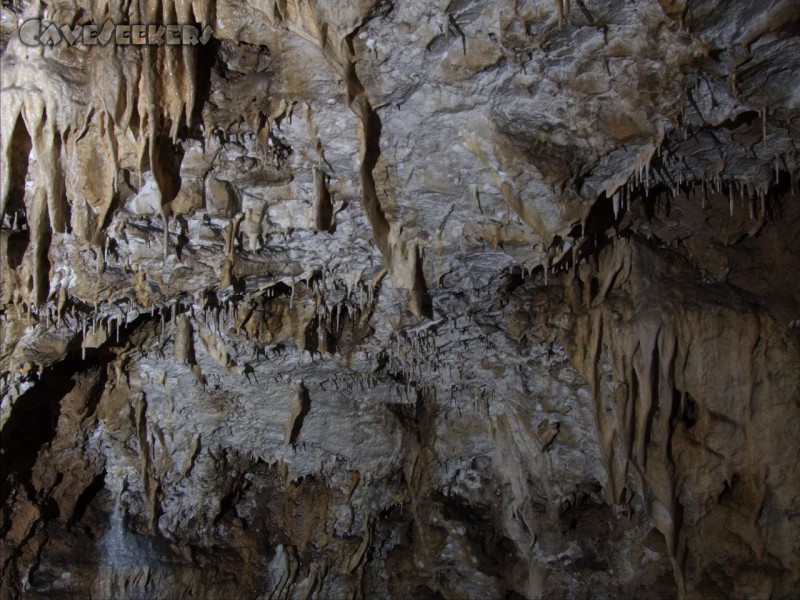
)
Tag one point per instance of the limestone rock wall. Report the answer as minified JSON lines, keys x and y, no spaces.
{"x":402,"y":299}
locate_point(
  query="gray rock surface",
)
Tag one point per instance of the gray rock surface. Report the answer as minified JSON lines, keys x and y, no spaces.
{"x":406,"y":299}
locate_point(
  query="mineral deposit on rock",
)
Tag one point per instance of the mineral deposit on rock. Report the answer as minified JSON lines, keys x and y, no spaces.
{"x":400,"y":299}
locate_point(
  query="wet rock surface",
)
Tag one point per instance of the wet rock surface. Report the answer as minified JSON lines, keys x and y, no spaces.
{"x":402,"y":299}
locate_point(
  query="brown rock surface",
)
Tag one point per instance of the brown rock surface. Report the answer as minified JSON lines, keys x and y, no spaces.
{"x":452,"y":299}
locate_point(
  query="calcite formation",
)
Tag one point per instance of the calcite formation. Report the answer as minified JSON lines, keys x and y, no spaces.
{"x":401,"y":299}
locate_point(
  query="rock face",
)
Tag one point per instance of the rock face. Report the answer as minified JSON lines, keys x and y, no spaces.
{"x":374,"y":299}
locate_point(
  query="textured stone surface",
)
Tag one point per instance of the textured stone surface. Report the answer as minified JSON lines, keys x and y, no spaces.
{"x":403,"y":299}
